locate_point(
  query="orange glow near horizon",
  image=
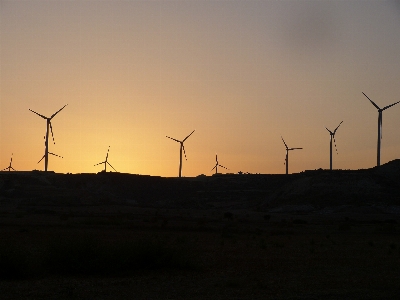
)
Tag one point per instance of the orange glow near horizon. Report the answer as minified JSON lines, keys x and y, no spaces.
{"x":240,"y":73}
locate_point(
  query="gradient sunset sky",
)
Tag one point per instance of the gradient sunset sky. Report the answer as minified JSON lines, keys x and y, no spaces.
{"x":240,"y":73}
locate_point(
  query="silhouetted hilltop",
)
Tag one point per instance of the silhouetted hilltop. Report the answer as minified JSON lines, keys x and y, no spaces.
{"x":308,"y":190}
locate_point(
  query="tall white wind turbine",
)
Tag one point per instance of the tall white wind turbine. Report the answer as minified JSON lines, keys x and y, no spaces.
{"x":46,"y":137}
{"x":287,"y":155}
{"x":10,"y":166}
{"x":180,"y":151}
{"x":106,"y":162}
{"x":380,"y":110}
{"x":332,"y":134}
{"x":217,"y":165}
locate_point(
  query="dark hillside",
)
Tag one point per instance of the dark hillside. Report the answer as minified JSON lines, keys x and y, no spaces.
{"x":313,"y":235}
{"x":316,"y":189}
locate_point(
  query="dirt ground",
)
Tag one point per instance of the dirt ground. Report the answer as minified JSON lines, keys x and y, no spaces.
{"x":237,"y":254}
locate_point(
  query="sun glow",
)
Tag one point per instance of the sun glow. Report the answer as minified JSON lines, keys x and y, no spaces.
{"x":242,"y":74}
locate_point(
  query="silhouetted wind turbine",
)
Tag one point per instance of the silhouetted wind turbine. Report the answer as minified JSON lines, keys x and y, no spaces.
{"x":46,"y":137}
{"x":106,"y":162}
{"x":287,"y":155}
{"x":180,"y":153}
{"x":217,"y":164}
{"x":332,"y":134}
{"x":380,"y":110}
{"x":9,"y":167}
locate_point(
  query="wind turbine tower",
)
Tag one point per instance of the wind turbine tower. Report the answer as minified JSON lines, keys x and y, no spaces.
{"x":287,"y":155}
{"x":10,"y":166}
{"x":380,"y":110}
{"x":217,"y":164}
{"x":180,"y":152}
{"x":106,"y":162}
{"x":46,"y":143}
{"x":332,"y":134}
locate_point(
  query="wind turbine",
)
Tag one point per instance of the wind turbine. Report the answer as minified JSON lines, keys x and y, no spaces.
{"x":46,"y":137}
{"x":380,"y":110}
{"x":180,"y":153}
{"x":287,"y":155}
{"x":9,"y":167}
{"x":106,"y":162}
{"x":332,"y":134}
{"x":217,"y":164}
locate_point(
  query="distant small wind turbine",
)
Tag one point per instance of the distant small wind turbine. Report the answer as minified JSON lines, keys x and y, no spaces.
{"x":287,"y":155}
{"x":332,"y":134}
{"x":180,"y":153}
{"x":217,"y":164}
{"x":380,"y":110}
{"x":46,"y":137}
{"x":106,"y":162}
{"x":10,"y":166}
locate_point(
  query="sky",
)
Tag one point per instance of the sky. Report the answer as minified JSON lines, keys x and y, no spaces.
{"x":240,"y":73}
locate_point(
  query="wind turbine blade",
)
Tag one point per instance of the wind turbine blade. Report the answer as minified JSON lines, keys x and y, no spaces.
{"x":337,"y":127}
{"x":173,"y":139}
{"x":386,"y":107}
{"x":214,"y":167}
{"x":55,"y":155}
{"x":11,"y":158}
{"x":329,"y":131}
{"x":112,"y":166}
{"x":184,"y":152}
{"x":99,"y":163}
{"x":53,"y":115}
{"x":334,"y":141}
{"x":295,"y":148}
{"x":223,"y":166}
{"x":107,"y":153}
{"x":52,"y":135}
{"x":284,"y":142}
{"x":38,"y":114}
{"x":372,"y":102}
{"x":188,"y":136}
{"x":40,"y":159}
{"x":216,"y":158}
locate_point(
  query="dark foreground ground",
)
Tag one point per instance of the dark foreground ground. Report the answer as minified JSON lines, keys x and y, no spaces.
{"x":272,"y":238}
{"x":213,"y":256}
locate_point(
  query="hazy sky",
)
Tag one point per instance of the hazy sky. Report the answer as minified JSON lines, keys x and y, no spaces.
{"x":240,"y":73}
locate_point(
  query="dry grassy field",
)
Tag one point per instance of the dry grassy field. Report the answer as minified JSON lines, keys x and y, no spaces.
{"x":126,"y":252}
